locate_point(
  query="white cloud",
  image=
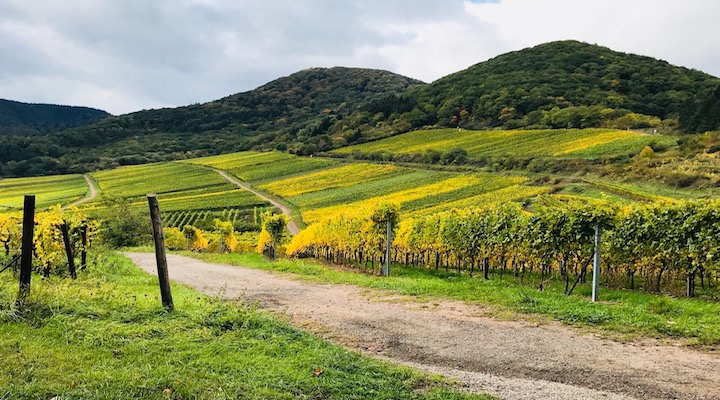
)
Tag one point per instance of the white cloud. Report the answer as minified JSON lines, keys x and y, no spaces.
{"x":135,"y":54}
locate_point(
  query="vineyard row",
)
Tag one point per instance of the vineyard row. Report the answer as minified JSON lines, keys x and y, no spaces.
{"x":656,"y":243}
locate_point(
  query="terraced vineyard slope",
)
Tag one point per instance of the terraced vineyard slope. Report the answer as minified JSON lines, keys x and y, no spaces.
{"x":333,"y":191}
{"x":254,"y":166}
{"x":49,"y":191}
{"x":565,"y":143}
{"x":187,"y":193}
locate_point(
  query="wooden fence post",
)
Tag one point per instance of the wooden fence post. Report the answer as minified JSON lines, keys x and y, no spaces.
{"x":160,"y":256}
{"x":27,"y":248}
{"x":596,"y":266}
{"x":388,"y":248}
{"x":84,"y":241}
{"x":68,"y":249}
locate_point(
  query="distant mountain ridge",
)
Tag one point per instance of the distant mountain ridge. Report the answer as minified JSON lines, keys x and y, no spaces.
{"x":566,"y":84}
{"x":18,"y":118}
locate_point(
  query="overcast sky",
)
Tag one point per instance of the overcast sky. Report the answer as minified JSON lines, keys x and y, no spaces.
{"x":128,"y":55}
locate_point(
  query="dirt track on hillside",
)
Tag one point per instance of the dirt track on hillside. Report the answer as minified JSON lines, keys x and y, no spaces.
{"x":512,"y":360}
{"x":92,"y":193}
{"x":291,"y":226}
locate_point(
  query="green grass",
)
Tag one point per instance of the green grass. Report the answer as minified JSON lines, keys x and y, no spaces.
{"x":48,"y":190}
{"x":105,"y":336}
{"x":621,"y":313}
{"x":567,"y":143}
{"x":253,"y":166}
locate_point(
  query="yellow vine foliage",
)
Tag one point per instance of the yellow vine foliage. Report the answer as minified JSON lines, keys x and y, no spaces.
{"x":174,"y":238}
{"x":338,"y":177}
{"x":49,"y":252}
{"x":226,"y":235}
{"x":445,"y":186}
{"x":196,"y":238}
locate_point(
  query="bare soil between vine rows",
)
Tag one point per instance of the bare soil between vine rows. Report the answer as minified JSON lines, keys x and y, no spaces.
{"x":509,"y":359}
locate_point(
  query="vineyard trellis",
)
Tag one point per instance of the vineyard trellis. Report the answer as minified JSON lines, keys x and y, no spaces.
{"x":55,"y":238}
{"x":651,"y":240}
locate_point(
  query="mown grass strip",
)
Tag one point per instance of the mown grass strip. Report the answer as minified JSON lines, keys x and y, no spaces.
{"x":105,"y":336}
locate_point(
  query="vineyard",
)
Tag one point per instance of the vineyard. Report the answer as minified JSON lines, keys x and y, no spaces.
{"x":334,"y":190}
{"x":49,"y":252}
{"x":188,"y":194}
{"x":648,"y":246}
{"x":253,"y":167}
{"x":571,"y":143}
{"x":455,"y":220}
{"x":241,"y":218}
{"x":49,"y":190}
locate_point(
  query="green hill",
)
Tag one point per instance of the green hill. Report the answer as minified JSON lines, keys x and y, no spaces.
{"x":565,"y":84}
{"x":543,"y":86}
{"x":33,"y":119}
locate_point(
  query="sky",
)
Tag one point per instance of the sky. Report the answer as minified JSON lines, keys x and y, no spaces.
{"x":129,"y":55}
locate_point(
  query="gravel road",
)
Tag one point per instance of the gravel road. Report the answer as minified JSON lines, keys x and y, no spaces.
{"x":510,"y":359}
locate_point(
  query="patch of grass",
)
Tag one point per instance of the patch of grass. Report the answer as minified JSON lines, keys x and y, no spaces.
{"x":619,"y":313}
{"x":105,"y":336}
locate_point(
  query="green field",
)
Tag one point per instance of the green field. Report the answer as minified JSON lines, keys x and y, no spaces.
{"x":252,"y":166}
{"x":49,"y":191}
{"x":179,"y":187}
{"x":566,"y":143}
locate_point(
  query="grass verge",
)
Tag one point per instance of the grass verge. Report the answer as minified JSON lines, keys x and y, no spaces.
{"x":622,"y":314}
{"x":105,"y":336}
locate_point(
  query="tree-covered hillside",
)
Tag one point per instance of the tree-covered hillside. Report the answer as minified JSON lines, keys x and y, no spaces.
{"x":33,"y":119}
{"x":565,"y":84}
{"x":292,"y":111}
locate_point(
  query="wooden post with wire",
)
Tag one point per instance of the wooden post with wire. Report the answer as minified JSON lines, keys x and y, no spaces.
{"x":160,"y":255}
{"x":596,"y":265}
{"x":68,"y":249}
{"x":28,"y":230}
{"x":385,"y":271}
{"x":84,"y":240}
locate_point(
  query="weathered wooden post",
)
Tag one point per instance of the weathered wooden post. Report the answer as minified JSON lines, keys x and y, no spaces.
{"x":596,"y":265}
{"x":388,"y":248}
{"x":27,"y":249}
{"x":160,"y":256}
{"x":68,"y":249}
{"x":84,"y":241}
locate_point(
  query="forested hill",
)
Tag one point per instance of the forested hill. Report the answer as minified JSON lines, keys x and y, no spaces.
{"x":551,"y":86}
{"x":32,"y":119}
{"x":565,"y":84}
{"x":295,"y":110}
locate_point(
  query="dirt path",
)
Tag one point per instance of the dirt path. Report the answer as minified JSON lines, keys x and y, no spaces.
{"x":90,"y":196}
{"x":291,"y":226}
{"x":513,"y":360}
